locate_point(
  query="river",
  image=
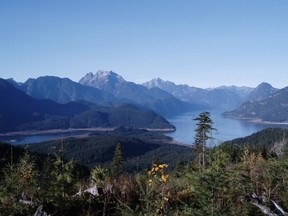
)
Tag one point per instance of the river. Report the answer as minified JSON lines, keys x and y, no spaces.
{"x":227,"y":129}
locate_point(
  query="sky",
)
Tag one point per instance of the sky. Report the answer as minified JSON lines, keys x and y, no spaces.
{"x":202,"y":43}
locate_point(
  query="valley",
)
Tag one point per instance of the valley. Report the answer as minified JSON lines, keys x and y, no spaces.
{"x":143,"y":108}
{"x":105,"y":100}
{"x":105,"y":132}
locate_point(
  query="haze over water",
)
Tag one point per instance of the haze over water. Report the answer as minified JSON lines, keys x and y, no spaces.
{"x":227,"y":129}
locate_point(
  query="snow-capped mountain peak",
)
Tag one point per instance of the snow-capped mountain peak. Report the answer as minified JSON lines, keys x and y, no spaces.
{"x":100,"y":77}
{"x":159,"y":83}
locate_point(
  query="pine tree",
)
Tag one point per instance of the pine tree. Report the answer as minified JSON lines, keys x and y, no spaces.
{"x":117,"y":165}
{"x":19,"y":187}
{"x":204,"y":128}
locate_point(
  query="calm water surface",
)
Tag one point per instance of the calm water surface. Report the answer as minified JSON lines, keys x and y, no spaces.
{"x":227,"y":129}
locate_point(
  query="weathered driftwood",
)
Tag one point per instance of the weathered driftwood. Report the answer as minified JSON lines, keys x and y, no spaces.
{"x":40,"y":212}
{"x":279,"y":208}
{"x":256,"y":201}
{"x":92,"y":190}
{"x":26,"y":202}
{"x":25,"y":199}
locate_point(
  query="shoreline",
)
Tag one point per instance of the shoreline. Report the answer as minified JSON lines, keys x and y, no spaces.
{"x":73,"y":130}
{"x":55,"y":131}
{"x":260,"y":121}
{"x":21,"y":137}
{"x":257,"y":121}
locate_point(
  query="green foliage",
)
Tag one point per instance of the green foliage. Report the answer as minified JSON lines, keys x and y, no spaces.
{"x":203,"y":131}
{"x":62,"y":176}
{"x":223,"y":187}
{"x":140,"y":147}
{"x":117,"y":164}
{"x":99,"y":175}
{"x":19,"y":184}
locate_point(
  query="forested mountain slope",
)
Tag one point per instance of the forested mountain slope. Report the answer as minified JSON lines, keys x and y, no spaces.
{"x":19,"y":111}
{"x":271,"y":109}
{"x":140,"y":148}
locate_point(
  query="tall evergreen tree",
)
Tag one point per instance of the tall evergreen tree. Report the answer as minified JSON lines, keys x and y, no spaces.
{"x":117,"y":165}
{"x":203,"y":133}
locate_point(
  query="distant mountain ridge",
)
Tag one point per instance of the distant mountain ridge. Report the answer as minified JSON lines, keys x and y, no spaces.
{"x":64,"y":90}
{"x":274,"y":108}
{"x":164,"y":97}
{"x":156,"y":99}
{"x":223,"y":98}
{"x":242,"y":91}
{"x":261,"y":92}
{"x":18,"y":111}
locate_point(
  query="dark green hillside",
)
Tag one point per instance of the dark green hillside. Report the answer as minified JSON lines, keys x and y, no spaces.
{"x":267,"y":137}
{"x":269,"y":142}
{"x":19,"y":111}
{"x":125,"y":115}
{"x":272,"y":109}
{"x":140,"y":148}
{"x":138,"y":118}
{"x":9,"y":153}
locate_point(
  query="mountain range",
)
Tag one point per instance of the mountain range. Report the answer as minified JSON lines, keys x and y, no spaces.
{"x":19,"y":111}
{"x":106,"y":88}
{"x":156,"y":99}
{"x":64,"y":90}
{"x":261,"y":92}
{"x":222,"y":98}
{"x":273,"y":108}
{"x":109,"y":89}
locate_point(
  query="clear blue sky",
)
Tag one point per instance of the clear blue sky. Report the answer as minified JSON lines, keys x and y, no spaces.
{"x":203,"y":43}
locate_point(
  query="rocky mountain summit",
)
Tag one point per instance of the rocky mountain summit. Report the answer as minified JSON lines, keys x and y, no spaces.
{"x":156,"y":99}
{"x":105,"y":80}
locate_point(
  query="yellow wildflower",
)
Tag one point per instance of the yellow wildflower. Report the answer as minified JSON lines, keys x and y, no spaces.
{"x":159,"y":210}
{"x":164,"y":177}
{"x":162,"y":166}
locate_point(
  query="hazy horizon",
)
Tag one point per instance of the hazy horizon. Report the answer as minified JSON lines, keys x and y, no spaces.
{"x":142,"y":82}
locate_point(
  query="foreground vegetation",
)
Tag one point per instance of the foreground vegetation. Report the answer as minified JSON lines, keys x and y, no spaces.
{"x":234,"y":178}
{"x":222,"y":187}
